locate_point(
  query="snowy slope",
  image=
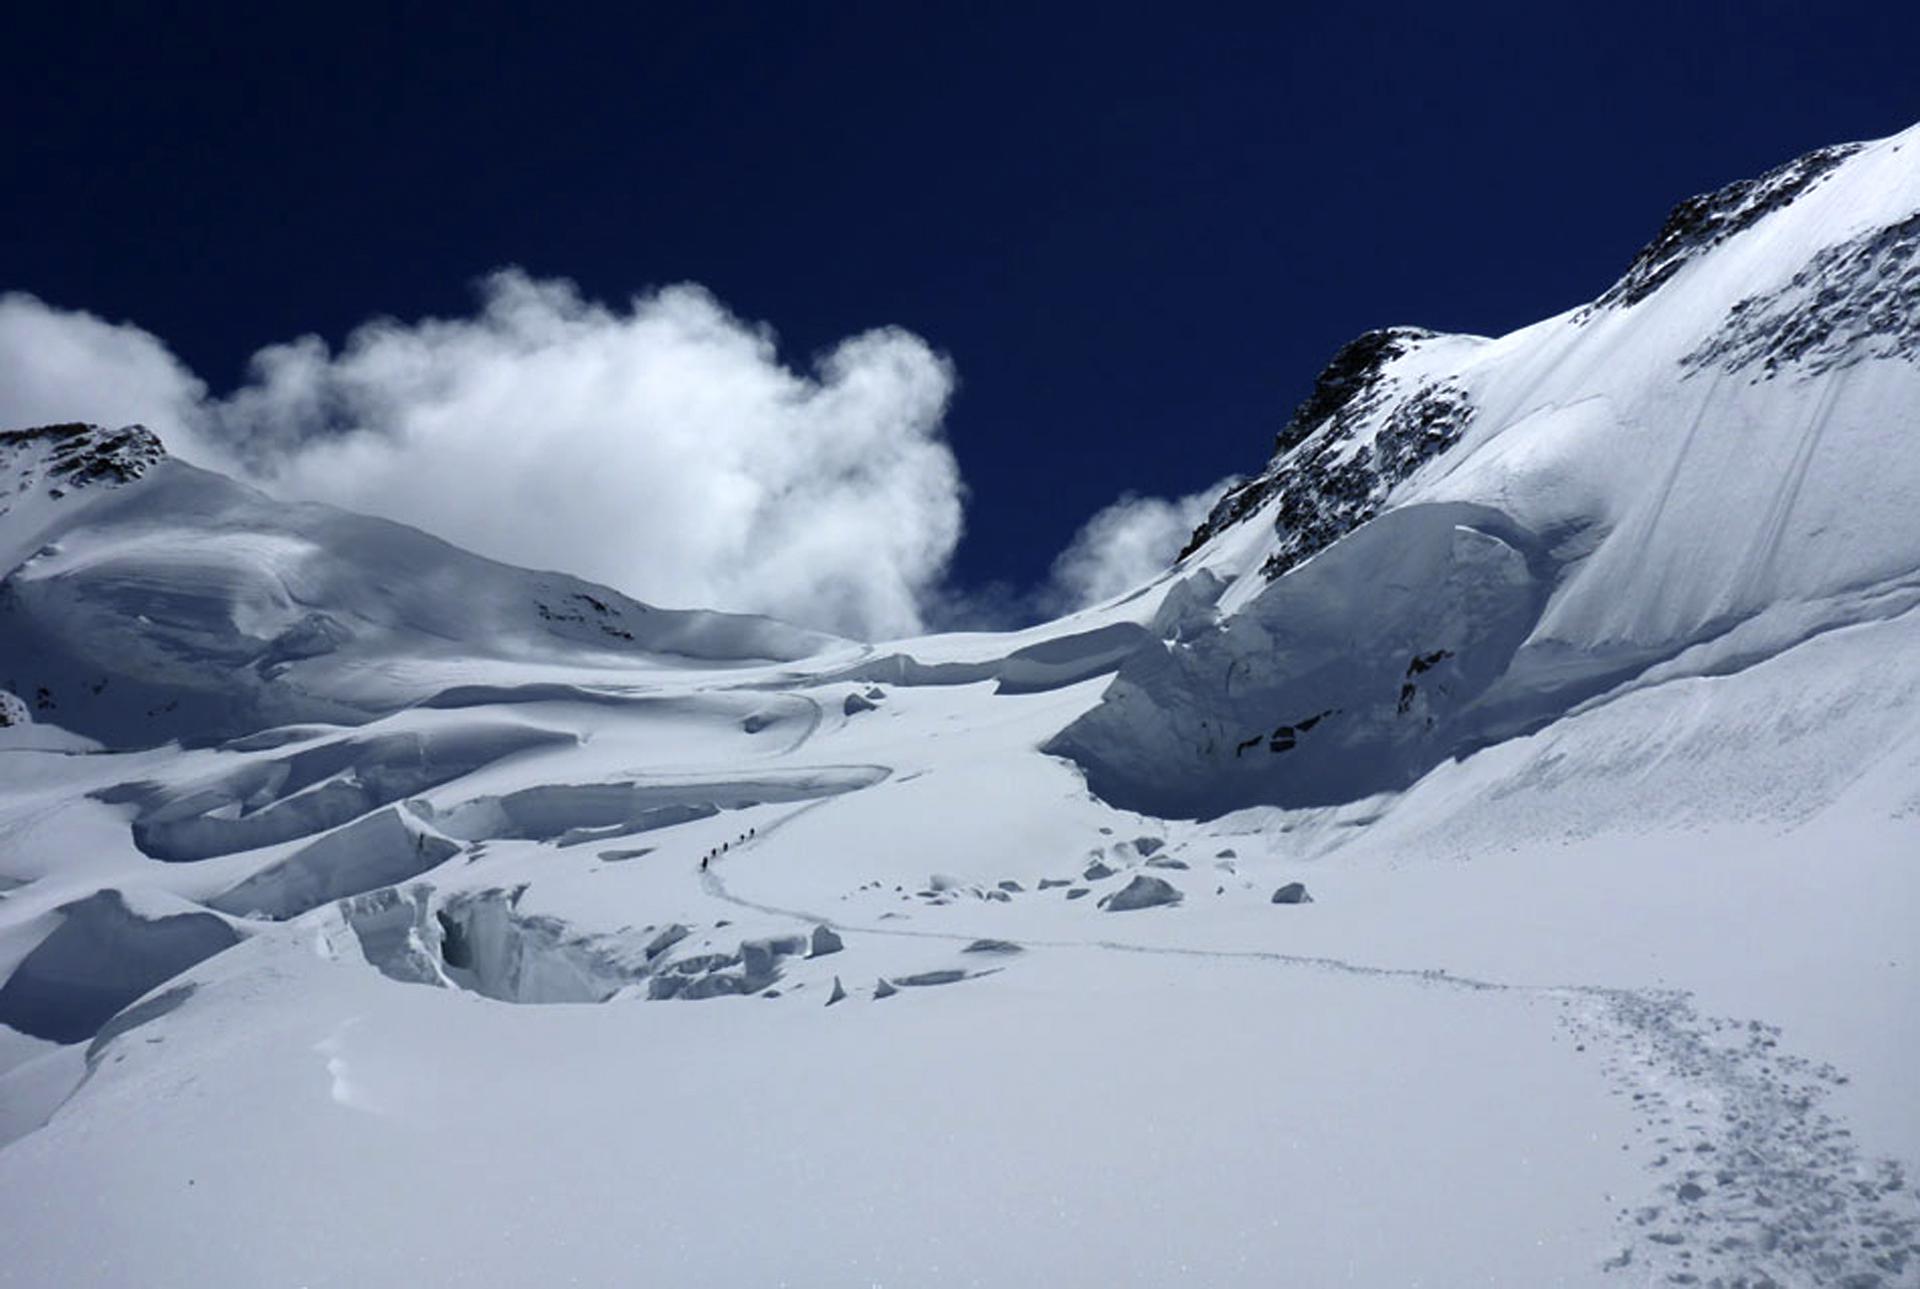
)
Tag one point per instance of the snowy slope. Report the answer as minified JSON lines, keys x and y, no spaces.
{"x":164,"y":600}
{"x":1709,"y":465}
{"x":1573,"y":676}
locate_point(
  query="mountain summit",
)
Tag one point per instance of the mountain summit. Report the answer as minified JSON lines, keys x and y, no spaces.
{"x":1459,"y":540}
{"x":1498,"y":829}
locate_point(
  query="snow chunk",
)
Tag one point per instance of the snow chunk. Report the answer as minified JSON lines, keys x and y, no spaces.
{"x":1142,"y":892}
{"x":388,"y":846}
{"x":761,"y":958}
{"x":1297,"y":700}
{"x":924,"y":979}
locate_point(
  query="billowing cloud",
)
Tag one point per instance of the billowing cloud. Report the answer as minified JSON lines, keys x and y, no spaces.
{"x":1124,"y":545}
{"x":66,"y":365}
{"x":662,"y":448}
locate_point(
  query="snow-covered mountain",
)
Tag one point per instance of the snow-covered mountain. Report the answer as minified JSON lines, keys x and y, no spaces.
{"x":1488,"y":855}
{"x":148,"y":599}
{"x":1459,"y":540}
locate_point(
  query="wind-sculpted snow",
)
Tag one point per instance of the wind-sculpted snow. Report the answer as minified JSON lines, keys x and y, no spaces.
{"x":183,"y":604}
{"x":102,"y":956}
{"x":1351,"y":676}
{"x":379,"y":849}
{"x":1383,"y":867}
{"x":263,"y":801}
{"x":1060,"y":660}
{"x":569,"y":814}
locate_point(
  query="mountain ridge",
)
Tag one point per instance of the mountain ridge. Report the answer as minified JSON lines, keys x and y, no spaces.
{"x":208,"y":608}
{"x":1498,"y":830}
{"x":1711,"y":462}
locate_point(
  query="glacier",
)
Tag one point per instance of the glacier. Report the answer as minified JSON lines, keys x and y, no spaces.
{"x":1487,"y":855}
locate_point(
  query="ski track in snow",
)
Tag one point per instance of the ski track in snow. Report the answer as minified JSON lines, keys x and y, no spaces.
{"x":1691,"y":501}
{"x":1758,"y":1186}
{"x":1767,"y":550}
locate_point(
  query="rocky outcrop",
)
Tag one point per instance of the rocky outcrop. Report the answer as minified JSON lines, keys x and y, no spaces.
{"x":1854,"y":301}
{"x":78,"y":455}
{"x":1700,"y":223}
{"x":1361,"y":431}
{"x":1347,"y":389}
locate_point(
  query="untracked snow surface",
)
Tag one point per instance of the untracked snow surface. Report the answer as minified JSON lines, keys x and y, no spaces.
{"x":1491,"y":856}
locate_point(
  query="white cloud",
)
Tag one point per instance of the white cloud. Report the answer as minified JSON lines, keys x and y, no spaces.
{"x":1126,"y":544}
{"x":662,"y":448}
{"x":59,"y":365}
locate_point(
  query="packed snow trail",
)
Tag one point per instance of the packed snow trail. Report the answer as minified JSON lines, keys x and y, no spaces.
{"x":1611,"y":606}
{"x":1757,"y":1184}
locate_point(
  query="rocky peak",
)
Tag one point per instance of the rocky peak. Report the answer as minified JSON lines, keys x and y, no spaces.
{"x":1702,"y":222}
{"x":1370,"y":421}
{"x":1349,"y":384}
{"x":1327,"y":484}
{"x":61,"y":458}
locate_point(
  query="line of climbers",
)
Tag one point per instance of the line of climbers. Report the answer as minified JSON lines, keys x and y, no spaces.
{"x":721,"y":849}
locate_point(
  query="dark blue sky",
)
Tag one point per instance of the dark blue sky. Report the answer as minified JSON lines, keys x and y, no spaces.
{"x":1138,"y":230}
